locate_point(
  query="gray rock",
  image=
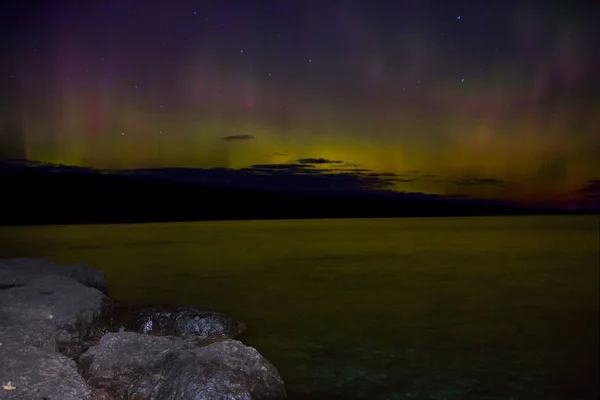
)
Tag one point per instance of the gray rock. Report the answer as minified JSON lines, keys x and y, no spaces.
{"x":129,"y":362}
{"x":86,"y":275}
{"x":226,"y":370}
{"x":27,"y":372}
{"x":22,"y":271}
{"x":50,"y":315}
{"x":44,"y":309}
{"x":52,"y":301}
{"x":168,"y":368}
{"x":184,"y":322}
{"x":39,"y":333}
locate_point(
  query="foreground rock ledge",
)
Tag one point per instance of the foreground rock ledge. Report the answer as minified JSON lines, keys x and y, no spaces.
{"x":56,"y":344}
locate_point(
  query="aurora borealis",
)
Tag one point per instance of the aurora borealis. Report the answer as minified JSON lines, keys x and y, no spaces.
{"x":493,"y":99}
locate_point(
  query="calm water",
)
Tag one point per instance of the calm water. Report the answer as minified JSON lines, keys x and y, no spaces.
{"x":445,"y":308}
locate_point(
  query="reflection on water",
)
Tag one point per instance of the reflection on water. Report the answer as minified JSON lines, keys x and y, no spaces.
{"x":444,"y":308}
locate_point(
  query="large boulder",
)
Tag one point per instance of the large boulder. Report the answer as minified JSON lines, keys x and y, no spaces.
{"x":52,"y":305}
{"x":39,"y":333}
{"x":27,"y":372}
{"x":45,"y":311}
{"x":185,"y":322}
{"x":222,"y":370}
{"x":169,"y":368}
{"x":22,"y":271}
{"x":86,"y":275}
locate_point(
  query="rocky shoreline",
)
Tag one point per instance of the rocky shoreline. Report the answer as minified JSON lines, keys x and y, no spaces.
{"x":63,"y":338}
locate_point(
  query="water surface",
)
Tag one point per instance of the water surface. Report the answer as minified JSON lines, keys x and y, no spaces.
{"x":440,"y":308}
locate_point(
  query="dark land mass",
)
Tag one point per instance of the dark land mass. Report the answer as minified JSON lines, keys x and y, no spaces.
{"x":34,"y":195}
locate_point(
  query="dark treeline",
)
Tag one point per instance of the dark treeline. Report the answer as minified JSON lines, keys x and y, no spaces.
{"x":34,"y":196}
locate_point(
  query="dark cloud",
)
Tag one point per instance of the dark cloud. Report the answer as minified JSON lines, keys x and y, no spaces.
{"x":294,"y":177}
{"x":383,"y":174}
{"x":479,"y":182}
{"x":415,"y":175}
{"x":431,"y":178}
{"x":317,"y":161}
{"x":339,"y":176}
{"x":238,"y":137}
{"x":279,"y":167}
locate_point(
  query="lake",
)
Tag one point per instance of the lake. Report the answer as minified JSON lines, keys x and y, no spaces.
{"x":416,"y":308}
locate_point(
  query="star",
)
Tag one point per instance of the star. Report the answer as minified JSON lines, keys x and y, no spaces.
{"x":462,"y":80}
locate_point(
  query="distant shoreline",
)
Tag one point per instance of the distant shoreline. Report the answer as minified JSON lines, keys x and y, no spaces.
{"x":129,"y":222}
{"x":34,"y":196}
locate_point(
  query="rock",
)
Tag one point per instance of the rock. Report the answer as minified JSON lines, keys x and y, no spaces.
{"x":27,"y":372}
{"x":184,"y":322}
{"x":86,"y":275}
{"x":169,"y":368}
{"x":51,"y":304}
{"x":44,"y":311}
{"x":222,"y":370}
{"x":40,"y":333}
{"x":129,"y":362}
{"x":52,"y":315}
{"x":22,"y":271}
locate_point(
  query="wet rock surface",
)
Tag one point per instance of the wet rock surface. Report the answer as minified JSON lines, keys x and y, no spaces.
{"x":224,"y":370}
{"x":55,"y":343}
{"x":129,"y":363}
{"x":185,"y":322}
{"x":164,"y":368}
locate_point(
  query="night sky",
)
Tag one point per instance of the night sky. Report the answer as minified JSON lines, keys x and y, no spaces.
{"x":495,"y":99}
